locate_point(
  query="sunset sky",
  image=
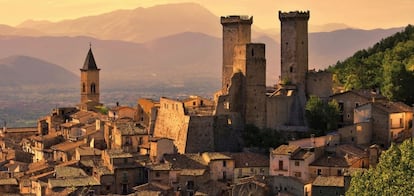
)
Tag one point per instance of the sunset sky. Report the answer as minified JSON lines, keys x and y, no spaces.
{"x":355,"y":13}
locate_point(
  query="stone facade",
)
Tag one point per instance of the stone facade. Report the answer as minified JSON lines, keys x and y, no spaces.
{"x":294,"y":47}
{"x":236,"y":30}
{"x":191,"y":133}
{"x":319,"y":84}
{"x":89,"y":80}
{"x":350,"y":100}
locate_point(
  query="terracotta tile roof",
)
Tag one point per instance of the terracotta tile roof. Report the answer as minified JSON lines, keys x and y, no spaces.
{"x":8,"y":181}
{"x":161,"y":167}
{"x":88,"y":151}
{"x":67,"y":146}
{"x":302,"y":154}
{"x":68,"y":172}
{"x":249,"y":159}
{"x":392,"y":107}
{"x":336,"y":181}
{"x":365,"y":93}
{"x":129,"y":128}
{"x":185,"y":161}
{"x":351,"y":150}
{"x":286,"y":149}
{"x":118,"y":153}
{"x":216,"y":156}
{"x":73,"y":182}
{"x":192,"y":172}
{"x":334,"y":161}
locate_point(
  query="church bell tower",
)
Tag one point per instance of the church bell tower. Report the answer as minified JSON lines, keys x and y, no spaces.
{"x":89,"y":80}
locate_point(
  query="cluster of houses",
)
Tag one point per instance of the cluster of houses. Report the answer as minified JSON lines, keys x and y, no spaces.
{"x":192,"y":146}
{"x":86,"y":152}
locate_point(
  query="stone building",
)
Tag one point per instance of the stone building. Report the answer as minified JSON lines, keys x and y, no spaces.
{"x":89,"y":83}
{"x":236,"y":30}
{"x":391,"y":121}
{"x":191,"y":132}
{"x":350,"y":100}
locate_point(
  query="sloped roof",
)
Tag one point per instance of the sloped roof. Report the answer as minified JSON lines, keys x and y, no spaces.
{"x":392,"y":107}
{"x":337,"y":181}
{"x":185,"y":161}
{"x":249,"y":159}
{"x":286,"y":149}
{"x":90,"y":63}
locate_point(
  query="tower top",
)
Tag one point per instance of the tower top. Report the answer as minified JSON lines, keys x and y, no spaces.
{"x":89,"y":61}
{"x":236,"y":19}
{"x":304,"y":15}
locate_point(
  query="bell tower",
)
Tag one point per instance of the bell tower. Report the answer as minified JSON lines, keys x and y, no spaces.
{"x":89,"y":80}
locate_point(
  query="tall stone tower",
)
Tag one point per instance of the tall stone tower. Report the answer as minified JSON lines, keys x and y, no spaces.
{"x":236,"y":30}
{"x":89,"y":80}
{"x":294,"y":47}
{"x":250,"y":61}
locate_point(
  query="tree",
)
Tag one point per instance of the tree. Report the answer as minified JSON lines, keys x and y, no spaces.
{"x":394,"y":174}
{"x":322,"y":116}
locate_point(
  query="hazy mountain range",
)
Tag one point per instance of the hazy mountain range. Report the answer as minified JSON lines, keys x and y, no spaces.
{"x":172,"y":45}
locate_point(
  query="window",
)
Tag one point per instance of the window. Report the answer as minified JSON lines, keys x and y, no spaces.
{"x":252,"y":52}
{"x":157,"y":174}
{"x":93,"y":88}
{"x":319,"y":172}
{"x":401,"y":123}
{"x":224,"y":164}
{"x":297,"y":163}
{"x":339,"y":172}
{"x":280,"y":165}
{"x":224,"y":175}
{"x":83,"y":87}
{"x":297,"y":174}
{"x":291,"y":69}
{"x":357,"y":104}
{"x":190,"y":185}
{"x":140,"y":141}
{"x":341,"y":107}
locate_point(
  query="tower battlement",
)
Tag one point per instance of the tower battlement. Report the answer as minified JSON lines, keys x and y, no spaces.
{"x":294,"y":15}
{"x":236,"y":19}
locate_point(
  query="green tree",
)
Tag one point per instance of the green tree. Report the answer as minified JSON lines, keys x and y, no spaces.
{"x":262,"y":138}
{"x":394,"y":174}
{"x":322,"y":116}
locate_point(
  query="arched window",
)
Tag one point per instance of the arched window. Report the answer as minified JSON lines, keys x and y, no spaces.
{"x":93,"y":88}
{"x":83,"y":87}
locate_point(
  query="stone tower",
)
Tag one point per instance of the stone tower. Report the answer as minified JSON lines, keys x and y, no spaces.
{"x":250,"y":61}
{"x":294,"y":47}
{"x":89,"y":80}
{"x":236,"y":30}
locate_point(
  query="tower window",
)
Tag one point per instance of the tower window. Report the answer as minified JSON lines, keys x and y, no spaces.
{"x":93,"y":88}
{"x":291,"y":69}
{"x":83,"y":87}
{"x":252,"y":52}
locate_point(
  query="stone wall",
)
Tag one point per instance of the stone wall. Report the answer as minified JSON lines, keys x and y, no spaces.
{"x":236,"y":30}
{"x":172,"y":123}
{"x":319,"y":84}
{"x":294,"y":47}
{"x":200,"y":135}
{"x":277,"y":110}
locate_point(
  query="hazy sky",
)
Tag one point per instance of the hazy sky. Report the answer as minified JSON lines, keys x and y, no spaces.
{"x":356,"y":13}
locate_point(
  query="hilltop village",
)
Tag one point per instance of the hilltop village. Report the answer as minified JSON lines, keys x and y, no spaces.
{"x":195,"y":146}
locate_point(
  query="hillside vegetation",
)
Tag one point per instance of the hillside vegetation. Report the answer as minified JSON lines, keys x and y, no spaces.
{"x":388,"y":65}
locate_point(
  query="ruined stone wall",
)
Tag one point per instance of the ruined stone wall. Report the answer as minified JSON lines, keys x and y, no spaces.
{"x":236,"y":30}
{"x":172,"y":123}
{"x":319,"y":84}
{"x":294,"y":47}
{"x":144,"y":111}
{"x":278,"y":109}
{"x":200,"y":136}
{"x":250,"y":60}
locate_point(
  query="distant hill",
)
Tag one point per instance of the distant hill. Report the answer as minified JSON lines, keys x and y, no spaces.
{"x":24,"y":71}
{"x":138,"y":25}
{"x":183,"y":58}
